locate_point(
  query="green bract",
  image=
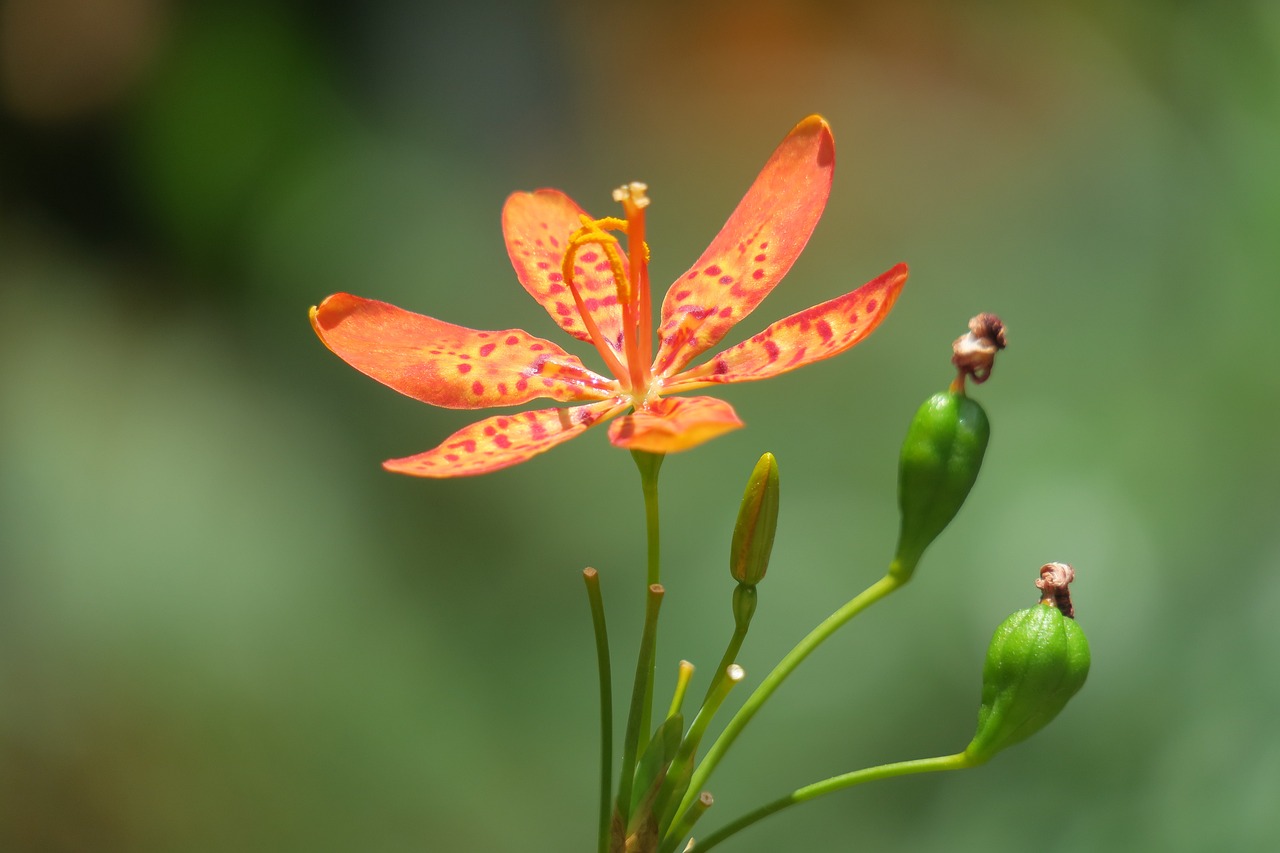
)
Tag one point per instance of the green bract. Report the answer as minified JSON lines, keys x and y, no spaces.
{"x":1037,"y":660}
{"x":939,"y":463}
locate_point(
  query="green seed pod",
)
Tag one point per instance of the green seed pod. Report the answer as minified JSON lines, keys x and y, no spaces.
{"x":757,"y":523}
{"x":1037,"y":660}
{"x":939,"y":463}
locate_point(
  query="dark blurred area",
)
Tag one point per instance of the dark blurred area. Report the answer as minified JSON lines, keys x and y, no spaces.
{"x":224,"y":627}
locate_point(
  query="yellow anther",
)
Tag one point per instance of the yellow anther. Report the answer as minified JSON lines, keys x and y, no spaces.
{"x":593,"y":231}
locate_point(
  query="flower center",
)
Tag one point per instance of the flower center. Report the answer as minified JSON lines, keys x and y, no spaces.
{"x":634,"y":303}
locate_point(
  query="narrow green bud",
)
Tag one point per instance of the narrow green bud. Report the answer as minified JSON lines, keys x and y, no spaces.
{"x":939,"y":462}
{"x":757,"y":524}
{"x":1037,"y":660}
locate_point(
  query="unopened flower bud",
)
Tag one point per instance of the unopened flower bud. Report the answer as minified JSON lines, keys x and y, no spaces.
{"x":939,"y":462}
{"x":1037,"y":660}
{"x":757,"y":523}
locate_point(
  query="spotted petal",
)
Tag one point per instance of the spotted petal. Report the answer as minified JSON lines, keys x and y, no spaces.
{"x":505,"y":440}
{"x":753,"y":251}
{"x":811,"y":335}
{"x":447,"y":365}
{"x":536,"y":227}
{"x":674,"y":423}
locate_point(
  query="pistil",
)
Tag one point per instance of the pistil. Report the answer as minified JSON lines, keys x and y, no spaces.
{"x":638,"y":315}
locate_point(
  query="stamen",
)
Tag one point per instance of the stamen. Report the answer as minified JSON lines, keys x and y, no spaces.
{"x":590,"y":234}
{"x":632,"y":370}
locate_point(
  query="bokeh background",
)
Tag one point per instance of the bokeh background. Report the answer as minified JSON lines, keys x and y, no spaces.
{"x":224,"y":627}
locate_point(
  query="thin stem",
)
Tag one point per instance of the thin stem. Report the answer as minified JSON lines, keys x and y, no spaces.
{"x":773,"y":680}
{"x":644,"y":671}
{"x":683,"y":678}
{"x":673,"y":785}
{"x":592,"y":578}
{"x":744,"y":607}
{"x":649,"y":464}
{"x":697,"y":810}
{"x":730,"y":656}
{"x":959,"y":761}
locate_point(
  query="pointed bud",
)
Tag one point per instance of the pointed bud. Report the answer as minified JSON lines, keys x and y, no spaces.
{"x":1037,"y":660}
{"x":939,"y":463}
{"x":757,"y":523}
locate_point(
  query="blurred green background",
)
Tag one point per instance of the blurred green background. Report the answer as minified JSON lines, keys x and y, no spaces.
{"x":224,"y":627}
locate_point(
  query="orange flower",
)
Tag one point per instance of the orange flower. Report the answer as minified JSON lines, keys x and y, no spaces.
{"x":577,"y":271}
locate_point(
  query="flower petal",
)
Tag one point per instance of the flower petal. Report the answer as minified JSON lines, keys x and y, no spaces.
{"x":811,"y":335}
{"x":447,"y":365}
{"x":536,"y":227}
{"x":505,"y":440}
{"x":674,"y":423}
{"x":754,"y":250}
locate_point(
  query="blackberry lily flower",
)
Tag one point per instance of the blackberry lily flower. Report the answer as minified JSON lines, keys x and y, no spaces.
{"x":576,"y":269}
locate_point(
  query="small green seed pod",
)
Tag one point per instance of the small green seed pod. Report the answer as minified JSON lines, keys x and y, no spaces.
{"x":757,"y":524}
{"x":939,"y":462}
{"x":1037,"y":660}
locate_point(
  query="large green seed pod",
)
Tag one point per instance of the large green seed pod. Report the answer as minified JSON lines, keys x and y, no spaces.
{"x":1037,"y":661}
{"x":939,"y":462}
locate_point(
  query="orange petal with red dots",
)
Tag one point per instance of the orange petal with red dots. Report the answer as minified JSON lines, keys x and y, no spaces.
{"x":447,"y":365}
{"x":670,"y":424}
{"x":753,"y":251}
{"x":502,"y":441}
{"x":536,"y":227}
{"x":811,"y":335}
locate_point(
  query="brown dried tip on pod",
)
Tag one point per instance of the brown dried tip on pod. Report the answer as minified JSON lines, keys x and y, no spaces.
{"x":974,"y":354}
{"x":1055,"y":580}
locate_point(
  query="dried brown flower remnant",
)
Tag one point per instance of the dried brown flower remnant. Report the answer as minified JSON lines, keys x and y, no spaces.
{"x":974,"y":354}
{"x":1055,"y":580}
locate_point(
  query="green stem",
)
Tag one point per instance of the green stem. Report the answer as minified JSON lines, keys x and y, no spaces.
{"x":744,"y":607}
{"x":644,"y":670}
{"x":959,"y":761}
{"x":683,"y":677}
{"x":649,"y":464}
{"x":592,"y":578}
{"x":700,"y":805}
{"x":673,"y":786}
{"x":773,"y":680}
{"x":730,"y":656}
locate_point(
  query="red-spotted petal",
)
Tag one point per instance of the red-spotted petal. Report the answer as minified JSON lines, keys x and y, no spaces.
{"x":447,"y":365}
{"x":753,"y":251}
{"x":502,"y":441}
{"x":670,"y":424}
{"x":811,"y":335}
{"x":536,"y":227}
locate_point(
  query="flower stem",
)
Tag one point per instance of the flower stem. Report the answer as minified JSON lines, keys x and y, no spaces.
{"x":773,"y":680}
{"x":649,"y":464}
{"x":636,"y":718}
{"x":592,"y":578}
{"x":744,"y":607}
{"x":958,"y":761}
